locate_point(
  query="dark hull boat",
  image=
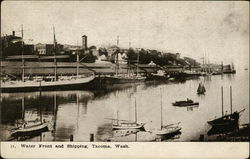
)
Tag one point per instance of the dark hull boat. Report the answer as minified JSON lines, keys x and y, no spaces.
{"x":201,"y":89}
{"x":152,"y":77}
{"x":225,"y":123}
{"x":185,"y":103}
{"x":226,"y":120}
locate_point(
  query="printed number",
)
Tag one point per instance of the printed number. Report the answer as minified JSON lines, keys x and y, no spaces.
{"x":12,"y":146}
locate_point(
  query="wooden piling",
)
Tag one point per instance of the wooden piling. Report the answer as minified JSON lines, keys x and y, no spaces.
{"x":91,"y":137}
{"x":201,"y":137}
{"x":71,"y":138}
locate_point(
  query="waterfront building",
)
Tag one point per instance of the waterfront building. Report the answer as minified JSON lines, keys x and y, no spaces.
{"x":11,"y":45}
{"x":40,"y":49}
{"x":48,"y":49}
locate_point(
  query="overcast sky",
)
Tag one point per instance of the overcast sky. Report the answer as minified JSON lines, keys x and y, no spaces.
{"x":219,"y":29}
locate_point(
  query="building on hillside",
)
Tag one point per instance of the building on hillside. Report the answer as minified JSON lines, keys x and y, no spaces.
{"x":178,"y":56}
{"x":94,"y":51}
{"x":48,"y":49}
{"x":112,"y":49}
{"x":191,"y":61}
{"x":72,"y":49}
{"x":40,"y":49}
{"x":13,"y":45}
{"x":29,"y":49}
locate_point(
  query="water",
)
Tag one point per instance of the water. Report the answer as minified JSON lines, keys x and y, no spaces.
{"x":81,"y":113}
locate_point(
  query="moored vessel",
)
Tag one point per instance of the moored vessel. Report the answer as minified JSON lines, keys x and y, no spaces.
{"x":187,"y":102}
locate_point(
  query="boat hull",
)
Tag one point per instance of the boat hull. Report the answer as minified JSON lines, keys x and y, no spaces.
{"x":168,"y":134}
{"x":47,"y":86}
{"x":120,"y":127}
{"x":227,"y":120}
{"x":185,"y":104}
{"x":30,"y":131}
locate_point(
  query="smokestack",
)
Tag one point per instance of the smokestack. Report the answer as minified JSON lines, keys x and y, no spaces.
{"x":13,"y":33}
{"x":84,"y":42}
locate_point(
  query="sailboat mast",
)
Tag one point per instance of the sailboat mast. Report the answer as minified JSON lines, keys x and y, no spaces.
{"x":22,"y":55}
{"x":117,"y":64}
{"x":117,"y":42}
{"x":55,"y":115}
{"x":40,"y":110}
{"x":222,"y":100}
{"x":55,"y":69}
{"x":78,"y":109}
{"x":117,"y":114}
{"x":77,"y":63}
{"x":161,"y":109}
{"x":23,"y":107}
{"x":135,"y":112}
{"x":137,"y":69}
{"x":231,"y":104}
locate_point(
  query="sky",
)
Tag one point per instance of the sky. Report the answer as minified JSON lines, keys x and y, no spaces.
{"x":218,"y":30}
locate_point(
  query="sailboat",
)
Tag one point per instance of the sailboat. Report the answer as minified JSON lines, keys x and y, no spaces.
{"x":129,"y":77}
{"x":55,"y":83}
{"x":126,"y":124}
{"x":201,"y":89}
{"x":167,"y":131}
{"x":30,"y":128}
{"x":227,"y":120}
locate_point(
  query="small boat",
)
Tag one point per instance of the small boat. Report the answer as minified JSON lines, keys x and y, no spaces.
{"x":201,"y":89}
{"x":29,"y":130}
{"x":159,"y":76}
{"x":183,"y":103}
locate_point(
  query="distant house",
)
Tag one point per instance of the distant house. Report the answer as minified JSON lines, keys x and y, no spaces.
{"x":152,"y":63}
{"x":178,"y":56}
{"x":40,"y":49}
{"x":191,"y":61}
{"x":13,"y":45}
{"x":72,"y":49}
{"x":94,"y":51}
{"x":48,"y":49}
{"x":112,"y":49}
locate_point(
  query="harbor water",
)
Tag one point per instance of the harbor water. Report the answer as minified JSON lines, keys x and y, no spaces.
{"x":82,"y":113}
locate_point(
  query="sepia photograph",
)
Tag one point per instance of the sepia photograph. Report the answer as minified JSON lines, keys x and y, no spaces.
{"x":124,"y":72}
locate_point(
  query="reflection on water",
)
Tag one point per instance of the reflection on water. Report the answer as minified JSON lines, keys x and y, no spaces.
{"x":82,"y":113}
